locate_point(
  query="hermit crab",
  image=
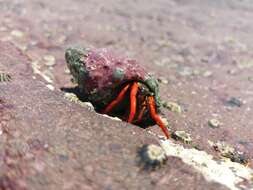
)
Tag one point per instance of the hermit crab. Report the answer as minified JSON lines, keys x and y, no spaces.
{"x":116,"y":85}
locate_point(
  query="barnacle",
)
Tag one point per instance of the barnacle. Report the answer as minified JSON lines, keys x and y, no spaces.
{"x":214,"y":123}
{"x":151,"y":157}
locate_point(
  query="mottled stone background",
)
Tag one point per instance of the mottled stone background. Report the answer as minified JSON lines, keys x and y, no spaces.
{"x":200,"y":50}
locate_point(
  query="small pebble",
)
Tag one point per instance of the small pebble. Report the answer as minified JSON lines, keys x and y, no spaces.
{"x":232,"y":71}
{"x":245,"y":64}
{"x":205,"y":59}
{"x":234,"y":102}
{"x":51,"y":87}
{"x":61,"y":39}
{"x":250,"y":79}
{"x":66,"y":71}
{"x":214,"y":123}
{"x":163,"y":80}
{"x":49,"y":60}
{"x":207,"y":74}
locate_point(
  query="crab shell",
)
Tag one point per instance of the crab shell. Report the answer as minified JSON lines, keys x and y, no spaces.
{"x":101,"y":74}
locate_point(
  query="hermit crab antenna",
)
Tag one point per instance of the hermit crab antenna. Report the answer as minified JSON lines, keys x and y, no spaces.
{"x":134,"y":90}
{"x":117,"y":100}
{"x":155,"y":116}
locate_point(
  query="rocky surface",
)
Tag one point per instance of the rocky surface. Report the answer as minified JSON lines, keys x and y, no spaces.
{"x":202,"y":49}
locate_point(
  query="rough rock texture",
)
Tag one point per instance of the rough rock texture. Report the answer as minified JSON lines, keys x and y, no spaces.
{"x":201,"y":48}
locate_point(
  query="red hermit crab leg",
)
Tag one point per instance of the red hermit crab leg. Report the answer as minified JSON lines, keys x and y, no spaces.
{"x":134,"y":90}
{"x":141,"y":114}
{"x":117,"y":100}
{"x":156,"y":117}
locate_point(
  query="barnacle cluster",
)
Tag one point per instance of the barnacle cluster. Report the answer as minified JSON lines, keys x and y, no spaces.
{"x":230,"y":152}
{"x":182,"y":136}
{"x":151,"y":157}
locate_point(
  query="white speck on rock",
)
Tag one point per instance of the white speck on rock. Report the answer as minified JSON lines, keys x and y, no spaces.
{"x":51,"y":87}
{"x":112,"y":118}
{"x":17,"y":33}
{"x":49,"y":60}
